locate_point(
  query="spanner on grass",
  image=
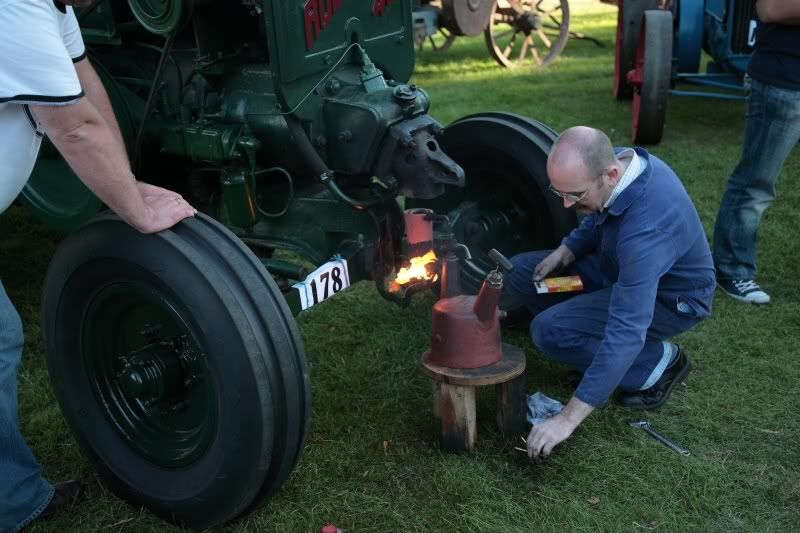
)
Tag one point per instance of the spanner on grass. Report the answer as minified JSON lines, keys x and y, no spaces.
{"x":669,"y":443}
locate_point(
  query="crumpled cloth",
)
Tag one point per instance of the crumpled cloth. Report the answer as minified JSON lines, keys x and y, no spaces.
{"x":541,"y":408}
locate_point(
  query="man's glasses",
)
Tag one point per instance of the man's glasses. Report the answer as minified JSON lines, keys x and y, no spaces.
{"x":573,"y":197}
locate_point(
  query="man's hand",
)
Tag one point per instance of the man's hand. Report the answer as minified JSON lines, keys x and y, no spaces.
{"x":164,"y":208}
{"x":558,"y":259}
{"x":550,"y":433}
{"x":547,"y":435}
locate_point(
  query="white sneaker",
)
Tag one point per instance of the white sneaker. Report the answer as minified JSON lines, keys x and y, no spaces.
{"x":744,"y":290}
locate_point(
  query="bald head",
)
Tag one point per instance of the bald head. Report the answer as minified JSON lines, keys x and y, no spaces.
{"x":582,"y":146}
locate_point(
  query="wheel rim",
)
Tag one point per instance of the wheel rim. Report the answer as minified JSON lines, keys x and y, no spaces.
{"x":651,"y":77}
{"x":629,"y":19}
{"x":504,"y":204}
{"x":527,"y":32}
{"x":154,"y":388}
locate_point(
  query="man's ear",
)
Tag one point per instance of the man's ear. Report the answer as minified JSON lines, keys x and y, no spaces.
{"x":613,"y":175}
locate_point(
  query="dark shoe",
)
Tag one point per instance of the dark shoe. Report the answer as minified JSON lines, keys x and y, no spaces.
{"x":65,"y":496}
{"x":655,"y":396}
{"x":744,"y":290}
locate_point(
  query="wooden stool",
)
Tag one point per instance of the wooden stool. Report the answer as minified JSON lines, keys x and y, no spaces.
{"x":454,"y":398}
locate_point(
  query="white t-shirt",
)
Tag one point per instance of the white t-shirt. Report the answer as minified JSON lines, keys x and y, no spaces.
{"x":39,"y":42}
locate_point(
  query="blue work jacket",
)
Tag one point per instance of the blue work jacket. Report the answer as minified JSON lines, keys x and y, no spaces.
{"x":652,"y":246}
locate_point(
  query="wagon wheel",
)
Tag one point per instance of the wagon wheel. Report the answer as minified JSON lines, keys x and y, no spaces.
{"x":439,"y":41}
{"x":527,"y":32}
{"x":178,"y":366}
{"x":651,"y":78}
{"x":629,"y":21}
{"x":505,"y":203}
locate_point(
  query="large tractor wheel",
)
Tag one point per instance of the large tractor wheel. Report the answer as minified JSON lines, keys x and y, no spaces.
{"x":505,"y":203}
{"x":178,"y":367}
{"x":629,"y":22}
{"x":651,"y":78}
{"x":527,"y":32}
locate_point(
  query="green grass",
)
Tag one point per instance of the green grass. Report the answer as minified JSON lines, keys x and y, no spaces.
{"x":372,"y":462}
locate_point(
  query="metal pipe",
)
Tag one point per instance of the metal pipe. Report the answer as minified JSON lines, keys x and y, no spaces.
{"x":162,"y":62}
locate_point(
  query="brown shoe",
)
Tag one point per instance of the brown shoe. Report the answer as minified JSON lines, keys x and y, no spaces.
{"x":65,"y":496}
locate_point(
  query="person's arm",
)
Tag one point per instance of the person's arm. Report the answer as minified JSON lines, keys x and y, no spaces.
{"x":87,"y":143}
{"x":96,"y":93}
{"x":779,"y":11}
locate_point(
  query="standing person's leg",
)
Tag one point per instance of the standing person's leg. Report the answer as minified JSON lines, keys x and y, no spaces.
{"x":571,"y":332}
{"x":23,"y":491}
{"x":772,"y":129}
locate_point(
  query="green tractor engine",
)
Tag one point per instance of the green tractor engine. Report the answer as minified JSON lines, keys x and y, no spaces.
{"x":292,"y":126}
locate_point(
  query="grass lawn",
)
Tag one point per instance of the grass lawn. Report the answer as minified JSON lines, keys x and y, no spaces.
{"x":372,"y":462}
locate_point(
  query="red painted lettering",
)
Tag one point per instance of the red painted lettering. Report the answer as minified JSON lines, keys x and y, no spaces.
{"x":325,"y":14}
{"x":318,"y":15}
{"x":379,"y":7}
{"x":312,"y":22}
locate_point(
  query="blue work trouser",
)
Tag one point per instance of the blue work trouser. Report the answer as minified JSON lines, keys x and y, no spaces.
{"x":771,"y":130}
{"x":23,"y":491}
{"x":569,"y":326}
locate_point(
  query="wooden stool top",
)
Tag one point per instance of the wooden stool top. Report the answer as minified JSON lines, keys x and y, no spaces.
{"x":510,"y":366}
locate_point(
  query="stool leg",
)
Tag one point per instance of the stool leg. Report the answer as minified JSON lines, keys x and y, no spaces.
{"x":459,"y":429}
{"x":437,"y":401}
{"x":511,"y":406}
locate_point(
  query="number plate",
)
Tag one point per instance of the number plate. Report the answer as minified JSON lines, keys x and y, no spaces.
{"x":324,"y":282}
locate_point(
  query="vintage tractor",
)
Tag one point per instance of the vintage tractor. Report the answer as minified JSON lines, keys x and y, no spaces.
{"x":291,"y":125}
{"x":659,"y":44}
{"x":517,"y":32}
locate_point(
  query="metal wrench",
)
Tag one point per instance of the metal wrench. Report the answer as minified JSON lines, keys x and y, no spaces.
{"x":645,"y":425}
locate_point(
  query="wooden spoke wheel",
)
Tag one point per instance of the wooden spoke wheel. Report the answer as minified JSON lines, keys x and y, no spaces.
{"x":651,"y":78}
{"x":629,"y":22}
{"x":178,"y":366}
{"x":527,"y":32}
{"x":438,"y":42}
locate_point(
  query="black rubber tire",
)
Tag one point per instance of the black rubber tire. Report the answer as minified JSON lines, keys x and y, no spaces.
{"x":253,"y":352}
{"x":655,"y":57}
{"x":506,"y":153}
{"x":629,"y":22}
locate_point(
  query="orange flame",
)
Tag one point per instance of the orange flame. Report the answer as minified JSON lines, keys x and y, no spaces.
{"x":418,"y":270}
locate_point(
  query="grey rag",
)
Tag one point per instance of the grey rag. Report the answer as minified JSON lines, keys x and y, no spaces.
{"x":541,"y":408}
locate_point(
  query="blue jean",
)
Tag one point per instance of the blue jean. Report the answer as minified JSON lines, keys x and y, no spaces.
{"x":570,"y":326}
{"x":24,"y":493}
{"x":772,"y":129}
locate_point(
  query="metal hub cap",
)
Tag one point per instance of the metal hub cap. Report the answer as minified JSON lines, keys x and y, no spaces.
{"x":148,"y":372}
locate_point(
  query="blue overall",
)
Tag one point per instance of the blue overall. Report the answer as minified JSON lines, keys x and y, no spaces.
{"x":647,"y":273}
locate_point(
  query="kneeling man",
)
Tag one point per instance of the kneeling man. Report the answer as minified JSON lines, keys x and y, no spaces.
{"x":647,"y":272}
